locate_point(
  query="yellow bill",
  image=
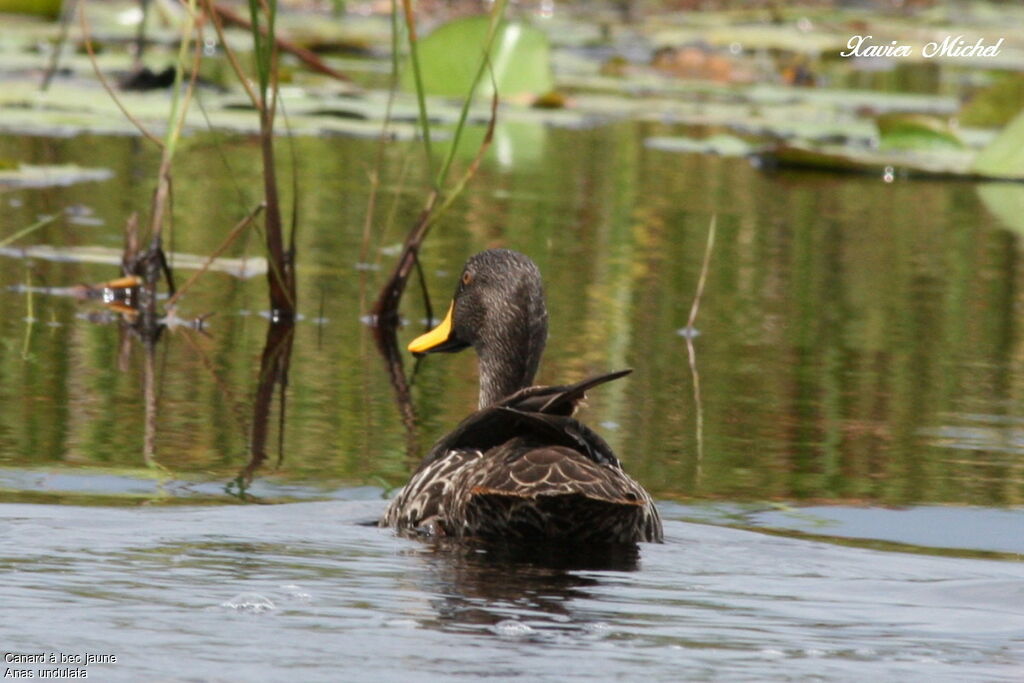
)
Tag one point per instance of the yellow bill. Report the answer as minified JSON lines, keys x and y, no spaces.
{"x":437,"y":336}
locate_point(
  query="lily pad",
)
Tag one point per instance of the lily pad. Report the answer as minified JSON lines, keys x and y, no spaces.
{"x":847,"y":159}
{"x":1004,"y":156}
{"x":449,"y":57}
{"x":51,"y":176}
{"x":917,"y":132}
{"x":997,"y":104}
{"x":1001,"y":159}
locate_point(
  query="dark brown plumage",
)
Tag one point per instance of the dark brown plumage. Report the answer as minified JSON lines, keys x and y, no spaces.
{"x":520,"y":469}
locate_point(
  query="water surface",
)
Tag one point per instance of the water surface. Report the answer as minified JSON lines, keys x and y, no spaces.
{"x":304,"y":592}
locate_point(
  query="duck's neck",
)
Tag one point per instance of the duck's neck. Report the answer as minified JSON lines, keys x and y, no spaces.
{"x":509,"y":362}
{"x":501,"y":376}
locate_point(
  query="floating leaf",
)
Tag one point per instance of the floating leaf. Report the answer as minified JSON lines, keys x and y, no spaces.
{"x":1001,"y":159}
{"x":916,"y":132}
{"x":520,"y":59}
{"x":1004,"y":156}
{"x":840,"y":158}
{"x":997,"y":104}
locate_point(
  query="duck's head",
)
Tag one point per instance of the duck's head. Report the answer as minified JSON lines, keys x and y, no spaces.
{"x":498,"y":309}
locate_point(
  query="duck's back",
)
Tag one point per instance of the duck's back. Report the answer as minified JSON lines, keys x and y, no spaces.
{"x":516,"y":472}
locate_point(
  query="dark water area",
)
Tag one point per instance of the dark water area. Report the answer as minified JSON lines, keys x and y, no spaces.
{"x":861,"y":374}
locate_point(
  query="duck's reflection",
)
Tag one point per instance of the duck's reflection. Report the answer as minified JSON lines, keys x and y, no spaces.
{"x":475,"y":586}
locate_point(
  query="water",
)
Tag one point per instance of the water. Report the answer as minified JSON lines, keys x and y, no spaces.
{"x":842,"y":494}
{"x":304,"y":592}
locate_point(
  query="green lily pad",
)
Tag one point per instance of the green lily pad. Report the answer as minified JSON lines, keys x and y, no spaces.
{"x":1004,"y":156}
{"x":997,"y":104}
{"x":1001,"y":159}
{"x":947,"y":163}
{"x":916,"y":132}
{"x":449,"y":58}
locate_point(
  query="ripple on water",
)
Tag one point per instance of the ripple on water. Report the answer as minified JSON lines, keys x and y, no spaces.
{"x":250,"y":602}
{"x":511,"y":628}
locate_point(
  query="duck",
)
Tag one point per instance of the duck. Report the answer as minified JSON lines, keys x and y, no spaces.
{"x":521,"y":469}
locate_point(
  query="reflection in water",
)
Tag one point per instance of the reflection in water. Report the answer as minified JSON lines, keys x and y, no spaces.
{"x":843,"y":322}
{"x":386,"y":338}
{"x":274,"y":364}
{"x":688,"y":333}
{"x":494,"y":586}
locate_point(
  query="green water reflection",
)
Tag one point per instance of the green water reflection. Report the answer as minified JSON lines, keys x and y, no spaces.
{"x":858,"y":339}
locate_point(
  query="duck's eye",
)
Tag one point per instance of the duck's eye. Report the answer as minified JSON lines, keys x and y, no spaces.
{"x":467,"y":277}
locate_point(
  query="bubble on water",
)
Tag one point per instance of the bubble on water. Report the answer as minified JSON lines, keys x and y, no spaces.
{"x":510,"y":628}
{"x":250,"y":602}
